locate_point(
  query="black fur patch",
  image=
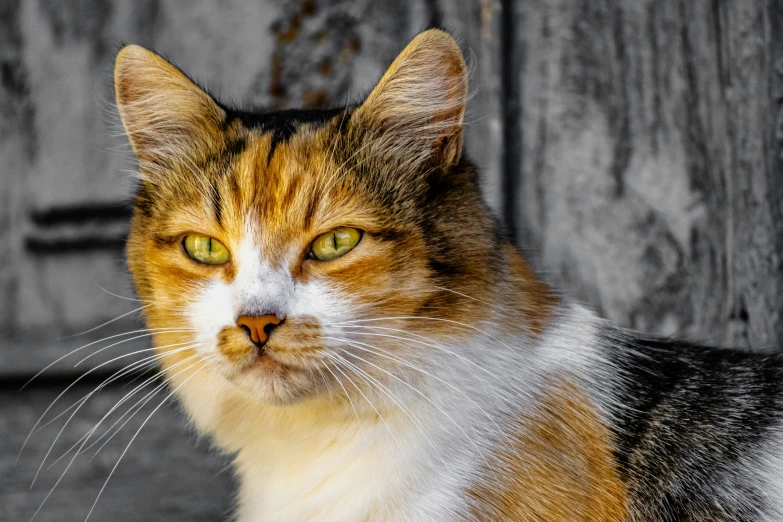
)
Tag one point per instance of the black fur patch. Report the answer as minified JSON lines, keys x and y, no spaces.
{"x":281,"y":124}
{"x":217,"y":206}
{"x":690,"y":415}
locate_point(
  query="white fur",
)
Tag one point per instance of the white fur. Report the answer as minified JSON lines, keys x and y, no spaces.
{"x":768,"y":466}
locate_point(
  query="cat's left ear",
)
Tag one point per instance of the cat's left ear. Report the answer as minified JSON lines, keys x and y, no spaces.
{"x":164,"y":113}
{"x":417,"y":109}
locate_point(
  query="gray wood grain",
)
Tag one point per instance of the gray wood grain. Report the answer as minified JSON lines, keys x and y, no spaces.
{"x":751,"y":39}
{"x":648,"y":184}
{"x":168,"y":473}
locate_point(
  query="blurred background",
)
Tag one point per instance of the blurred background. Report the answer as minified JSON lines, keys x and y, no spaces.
{"x":632,"y":147}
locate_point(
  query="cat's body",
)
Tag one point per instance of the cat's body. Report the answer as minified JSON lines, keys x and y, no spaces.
{"x":419,"y":371}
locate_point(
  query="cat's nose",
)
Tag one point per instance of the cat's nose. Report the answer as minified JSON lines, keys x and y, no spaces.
{"x":258,"y":327}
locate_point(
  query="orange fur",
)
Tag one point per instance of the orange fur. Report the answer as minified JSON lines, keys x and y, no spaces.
{"x":558,"y":468}
{"x":535,"y":300}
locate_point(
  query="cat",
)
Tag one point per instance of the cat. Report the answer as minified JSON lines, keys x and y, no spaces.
{"x":341,"y":312}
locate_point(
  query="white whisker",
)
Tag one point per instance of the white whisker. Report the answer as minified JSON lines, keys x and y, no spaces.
{"x":394,"y":400}
{"x":413,"y":317}
{"x":337,"y":359}
{"x":385,"y":354}
{"x":429,"y":345}
{"x":328,"y":368}
{"x":136,"y":365}
{"x":154,"y":330}
{"x":438,"y":407}
{"x":60,"y":396}
{"x":103,"y":324}
{"x":136,"y":435}
{"x":121,"y":401}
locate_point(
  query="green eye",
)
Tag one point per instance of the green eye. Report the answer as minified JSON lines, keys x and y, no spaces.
{"x":335,"y":244}
{"x":206,"y":250}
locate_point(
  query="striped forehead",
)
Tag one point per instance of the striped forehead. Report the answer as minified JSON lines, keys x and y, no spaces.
{"x":276,"y":187}
{"x":269,"y":182}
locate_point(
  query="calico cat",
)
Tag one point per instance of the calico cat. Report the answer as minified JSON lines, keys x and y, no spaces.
{"x":353,"y":326}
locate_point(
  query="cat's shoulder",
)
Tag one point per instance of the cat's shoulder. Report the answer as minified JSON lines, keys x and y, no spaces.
{"x":699,"y":427}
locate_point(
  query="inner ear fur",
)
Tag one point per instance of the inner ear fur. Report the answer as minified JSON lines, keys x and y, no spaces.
{"x":417,"y":109}
{"x":164,"y":113}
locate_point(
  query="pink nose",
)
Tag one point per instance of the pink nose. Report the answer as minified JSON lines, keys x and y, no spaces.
{"x":258,"y":326}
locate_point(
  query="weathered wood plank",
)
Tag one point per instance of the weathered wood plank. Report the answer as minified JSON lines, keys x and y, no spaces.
{"x":649,"y":170}
{"x":751,"y":38}
{"x":168,"y":473}
{"x":476,"y":24}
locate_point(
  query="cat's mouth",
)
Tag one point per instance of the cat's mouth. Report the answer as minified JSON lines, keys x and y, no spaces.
{"x":266,"y":362}
{"x":272,"y":377}
{"x":275,"y":362}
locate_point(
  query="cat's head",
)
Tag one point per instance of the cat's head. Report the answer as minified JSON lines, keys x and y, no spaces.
{"x":346,"y":243}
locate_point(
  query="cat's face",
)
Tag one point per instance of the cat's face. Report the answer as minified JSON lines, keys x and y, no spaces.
{"x":359,"y":232}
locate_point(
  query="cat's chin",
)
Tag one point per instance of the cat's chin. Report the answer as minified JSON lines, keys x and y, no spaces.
{"x":269,"y":380}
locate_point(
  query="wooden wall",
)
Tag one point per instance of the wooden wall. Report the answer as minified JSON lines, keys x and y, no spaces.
{"x":649,"y":179}
{"x":633,"y":147}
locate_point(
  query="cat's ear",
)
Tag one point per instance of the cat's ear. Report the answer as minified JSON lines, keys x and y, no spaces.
{"x":164,"y":113}
{"x":417,"y":109}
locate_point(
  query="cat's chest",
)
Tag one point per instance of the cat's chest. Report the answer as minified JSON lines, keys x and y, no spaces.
{"x":344,"y":473}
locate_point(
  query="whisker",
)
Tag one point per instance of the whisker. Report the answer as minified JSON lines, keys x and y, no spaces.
{"x":412,"y":317}
{"x":117,"y":295}
{"x":154,"y":330}
{"x":119,"y":403}
{"x":63,"y":393}
{"x":326,"y":383}
{"x":429,"y":345}
{"x":150,"y":394}
{"x":328,"y":368}
{"x":66,"y":471}
{"x":464,"y":433}
{"x":103,"y":324}
{"x":503,"y":308}
{"x":395,"y":399}
{"x":337,"y":359}
{"x":96,"y":352}
{"x":383,"y":353}
{"x":145,"y":362}
{"x":136,"y":435}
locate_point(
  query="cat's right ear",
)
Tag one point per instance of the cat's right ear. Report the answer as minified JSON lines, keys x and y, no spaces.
{"x":415,"y":113}
{"x":164,"y":113}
